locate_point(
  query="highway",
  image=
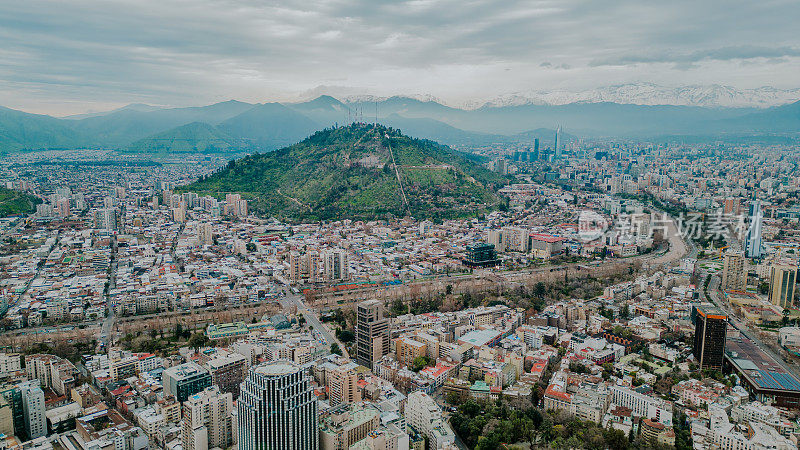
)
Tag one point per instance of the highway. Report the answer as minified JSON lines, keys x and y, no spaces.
{"x":743,"y":327}
{"x":108,"y":324}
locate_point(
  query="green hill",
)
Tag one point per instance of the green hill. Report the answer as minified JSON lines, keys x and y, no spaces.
{"x":14,"y":202}
{"x":347,"y":172}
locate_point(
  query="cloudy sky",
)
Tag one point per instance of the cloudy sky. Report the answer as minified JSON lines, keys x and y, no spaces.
{"x":73,"y":56}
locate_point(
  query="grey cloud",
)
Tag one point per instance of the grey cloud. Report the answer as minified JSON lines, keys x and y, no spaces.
{"x":688,"y":59}
{"x":192,"y":52}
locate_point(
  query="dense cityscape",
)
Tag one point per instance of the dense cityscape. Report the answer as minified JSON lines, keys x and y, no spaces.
{"x":399,"y":225}
{"x":625,"y":295}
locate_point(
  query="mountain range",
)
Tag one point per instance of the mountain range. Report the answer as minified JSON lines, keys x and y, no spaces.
{"x":359,"y":171}
{"x":234,"y":126}
{"x":709,"y":96}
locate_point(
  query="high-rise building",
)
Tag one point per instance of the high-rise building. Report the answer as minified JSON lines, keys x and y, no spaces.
{"x":342,"y":383}
{"x":734,"y":276}
{"x":105,"y":218}
{"x":235,"y":206}
{"x":372,"y":333}
{"x":480,"y":254}
{"x":536,"y":154}
{"x":500,"y":166}
{"x":408,"y":349}
{"x":62,"y":205}
{"x":185,"y":379}
{"x":205,"y":233}
{"x":556,"y":148}
{"x":782,"y":279}
{"x":752,"y":242}
{"x":207,"y":420}
{"x":277,"y":409}
{"x":227,"y":372}
{"x":33,"y":408}
{"x":179,"y":213}
{"x":710,"y":327}
{"x":295,"y":267}
{"x":516,"y":239}
{"x":13,"y":395}
{"x":424,"y":415}
{"x":336,"y":265}
{"x":313,"y":265}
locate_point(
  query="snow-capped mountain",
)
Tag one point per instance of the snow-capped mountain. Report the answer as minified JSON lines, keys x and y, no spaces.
{"x":715,"y":96}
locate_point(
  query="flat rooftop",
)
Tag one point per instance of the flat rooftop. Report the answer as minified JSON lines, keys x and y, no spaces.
{"x":759,"y":367}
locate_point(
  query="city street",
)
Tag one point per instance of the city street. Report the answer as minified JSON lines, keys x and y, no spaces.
{"x":313,"y":320}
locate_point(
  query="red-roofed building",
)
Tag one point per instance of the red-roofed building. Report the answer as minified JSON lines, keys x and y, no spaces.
{"x":545,"y":245}
{"x":438,"y":374}
{"x":555,"y":399}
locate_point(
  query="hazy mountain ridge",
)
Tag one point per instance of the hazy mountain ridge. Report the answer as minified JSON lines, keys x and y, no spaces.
{"x":267,"y":126}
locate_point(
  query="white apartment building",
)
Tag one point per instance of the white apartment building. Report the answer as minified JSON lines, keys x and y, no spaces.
{"x":207,"y":420}
{"x":10,"y":363}
{"x":33,"y":409}
{"x":424,"y":415}
{"x":642,"y":405}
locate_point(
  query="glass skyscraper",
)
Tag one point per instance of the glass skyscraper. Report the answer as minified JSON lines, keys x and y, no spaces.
{"x":277,"y":409}
{"x":752,"y":242}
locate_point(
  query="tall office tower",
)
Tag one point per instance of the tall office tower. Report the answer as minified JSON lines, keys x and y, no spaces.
{"x":709,"y":337}
{"x":536,"y":155}
{"x":241,"y":208}
{"x":342,"y":383}
{"x":734,"y":277}
{"x":33,"y":408}
{"x":295,"y":267}
{"x":190,"y":198}
{"x":13,"y":395}
{"x":184,"y":380}
{"x":62,"y":205}
{"x":313,"y":263}
{"x":166,"y":197}
{"x":277,"y":409}
{"x":205,"y":233}
{"x":227,"y":372}
{"x":782,"y":279}
{"x":556,"y":148}
{"x":752,"y":242}
{"x":336,"y":265}
{"x":372,"y":333}
{"x":207,"y":420}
